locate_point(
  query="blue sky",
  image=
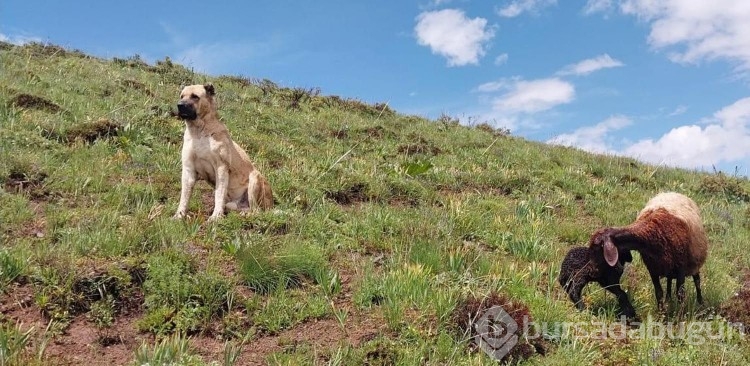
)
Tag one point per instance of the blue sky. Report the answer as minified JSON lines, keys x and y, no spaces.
{"x":663,"y":81}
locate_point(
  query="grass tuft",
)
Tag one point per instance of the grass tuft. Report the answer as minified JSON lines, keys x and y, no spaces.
{"x":264,"y":270}
{"x":174,"y":350}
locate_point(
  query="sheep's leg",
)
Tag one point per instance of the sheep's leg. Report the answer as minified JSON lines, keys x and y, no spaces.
{"x":669,"y":289}
{"x":658,"y":291}
{"x":680,"y":288}
{"x":697,"y":281}
{"x":622,"y":298}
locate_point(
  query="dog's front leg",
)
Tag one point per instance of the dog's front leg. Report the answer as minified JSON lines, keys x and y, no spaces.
{"x":220,"y":194}
{"x":188,"y":181}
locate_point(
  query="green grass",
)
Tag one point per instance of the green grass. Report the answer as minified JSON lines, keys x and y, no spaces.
{"x":265,"y":269}
{"x":380,"y":218}
{"x":169,"y":351}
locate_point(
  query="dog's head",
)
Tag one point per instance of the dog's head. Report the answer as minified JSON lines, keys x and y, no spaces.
{"x":195,"y":101}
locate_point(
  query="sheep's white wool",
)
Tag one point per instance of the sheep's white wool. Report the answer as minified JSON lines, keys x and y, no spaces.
{"x":678,"y":205}
{"x":685,"y":209}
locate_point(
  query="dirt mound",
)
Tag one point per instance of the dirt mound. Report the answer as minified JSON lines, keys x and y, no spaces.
{"x":355,"y":193}
{"x":422,"y":146}
{"x":378,"y":132}
{"x":31,"y":183}
{"x":136,"y":85}
{"x":90,"y":132}
{"x":492,"y":319}
{"x":28,"y":101}
{"x":737,"y":308}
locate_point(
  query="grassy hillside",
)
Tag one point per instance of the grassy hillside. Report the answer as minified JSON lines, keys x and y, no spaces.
{"x":385,"y":224}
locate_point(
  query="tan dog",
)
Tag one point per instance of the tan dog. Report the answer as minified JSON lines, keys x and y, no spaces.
{"x":208,"y":153}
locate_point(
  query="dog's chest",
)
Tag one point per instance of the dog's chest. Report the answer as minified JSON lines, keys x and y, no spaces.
{"x":199,"y":147}
{"x":199,"y":155}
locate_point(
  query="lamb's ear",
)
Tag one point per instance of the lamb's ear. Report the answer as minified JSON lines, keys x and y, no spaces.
{"x":610,"y":252}
{"x":210,"y":89}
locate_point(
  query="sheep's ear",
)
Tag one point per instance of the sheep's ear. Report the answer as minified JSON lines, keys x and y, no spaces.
{"x":626,"y":257}
{"x":610,"y":252}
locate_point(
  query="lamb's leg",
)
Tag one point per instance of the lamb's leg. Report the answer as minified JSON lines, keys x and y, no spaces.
{"x":669,"y":288}
{"x":697,"y":281}
{"x":574,"y":291}
{"x":658,"y":291}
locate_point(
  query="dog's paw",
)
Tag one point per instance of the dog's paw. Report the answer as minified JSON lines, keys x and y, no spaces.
{"x":178,"y":216}
{"x":214,"y":218}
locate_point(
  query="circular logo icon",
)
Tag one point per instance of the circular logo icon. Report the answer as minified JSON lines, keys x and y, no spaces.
{"x":496,"y":332}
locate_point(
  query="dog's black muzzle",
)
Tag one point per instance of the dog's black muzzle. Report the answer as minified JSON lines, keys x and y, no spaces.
{"x":186,"y":110}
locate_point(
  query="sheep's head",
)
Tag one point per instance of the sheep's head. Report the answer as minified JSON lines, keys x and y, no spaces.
{"x":602,"y":246}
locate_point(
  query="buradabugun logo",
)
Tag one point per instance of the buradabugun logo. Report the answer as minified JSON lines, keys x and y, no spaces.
{"x":496,"y":332}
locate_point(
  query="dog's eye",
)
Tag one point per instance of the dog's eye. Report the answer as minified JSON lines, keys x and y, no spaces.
{"x":193,"y":96}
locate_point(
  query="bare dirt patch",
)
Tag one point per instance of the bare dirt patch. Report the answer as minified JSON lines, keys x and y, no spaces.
{"x":322,"y":335}
{"x":17,"y":305}
{"x":82,"y":343}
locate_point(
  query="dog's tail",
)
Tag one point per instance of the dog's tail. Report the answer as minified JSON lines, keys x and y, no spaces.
{"x":259,"y":191}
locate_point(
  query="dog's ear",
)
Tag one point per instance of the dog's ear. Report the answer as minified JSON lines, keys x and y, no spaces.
{"x":210,"y":91}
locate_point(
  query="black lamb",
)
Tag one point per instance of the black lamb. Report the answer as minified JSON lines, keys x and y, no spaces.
{"x":578,"y":269}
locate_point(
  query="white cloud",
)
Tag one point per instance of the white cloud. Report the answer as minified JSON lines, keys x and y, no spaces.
{"x":694,"y":31}
{"x":693,"y":146}
{"x":734,"y":116}
{"x":722,"y":138}
{"x":590,"y":65}
{"x":451,"y":34}
{"x":593,"y":138}
{"x":531,"y":96}
{"x":494,"y":86}
{"x":501,"y":59}
{"x":597,"y":6}
{"x":515,"y":102}
{"x":19,"y":40}
{"x":516,"y":7}
{"x":678,"y":111}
